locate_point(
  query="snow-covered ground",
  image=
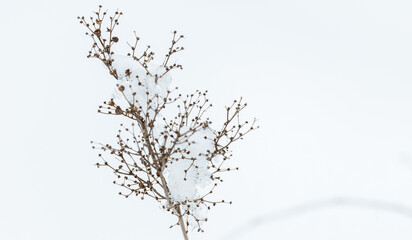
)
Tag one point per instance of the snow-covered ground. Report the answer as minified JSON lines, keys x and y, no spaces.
{"x":329,"y":81}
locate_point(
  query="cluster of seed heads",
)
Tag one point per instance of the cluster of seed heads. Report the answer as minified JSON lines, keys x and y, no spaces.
{"x":150,"y":142}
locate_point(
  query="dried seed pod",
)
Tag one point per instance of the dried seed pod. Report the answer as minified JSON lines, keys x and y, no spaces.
{"x":97,"y":32}
{"x":118,"y":110}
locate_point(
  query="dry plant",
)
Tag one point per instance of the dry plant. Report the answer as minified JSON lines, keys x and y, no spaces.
{"x":168,"y":151}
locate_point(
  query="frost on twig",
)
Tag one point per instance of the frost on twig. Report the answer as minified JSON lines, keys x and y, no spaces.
{"x":167,"y":150}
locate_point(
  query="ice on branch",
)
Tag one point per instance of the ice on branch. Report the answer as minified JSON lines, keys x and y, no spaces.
{"x":134,"y":79}
{"x":188,"y":179}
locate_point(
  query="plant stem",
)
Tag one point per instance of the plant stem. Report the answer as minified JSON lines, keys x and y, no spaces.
{"x":176,"y":208}
{"x":182,"y":224}
{"x":156,"y":159}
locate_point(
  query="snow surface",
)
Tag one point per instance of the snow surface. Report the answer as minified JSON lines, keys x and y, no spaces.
{"x":330,"y":82}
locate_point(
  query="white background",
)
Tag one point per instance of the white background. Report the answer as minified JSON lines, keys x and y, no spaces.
{"x":329,"y":81}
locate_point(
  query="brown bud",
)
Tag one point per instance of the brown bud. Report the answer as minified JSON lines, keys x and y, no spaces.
{"x":118,"y":110}
{"x":121,"y":88}
{"x":97,"y":32}
{"x":115,"y":39}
